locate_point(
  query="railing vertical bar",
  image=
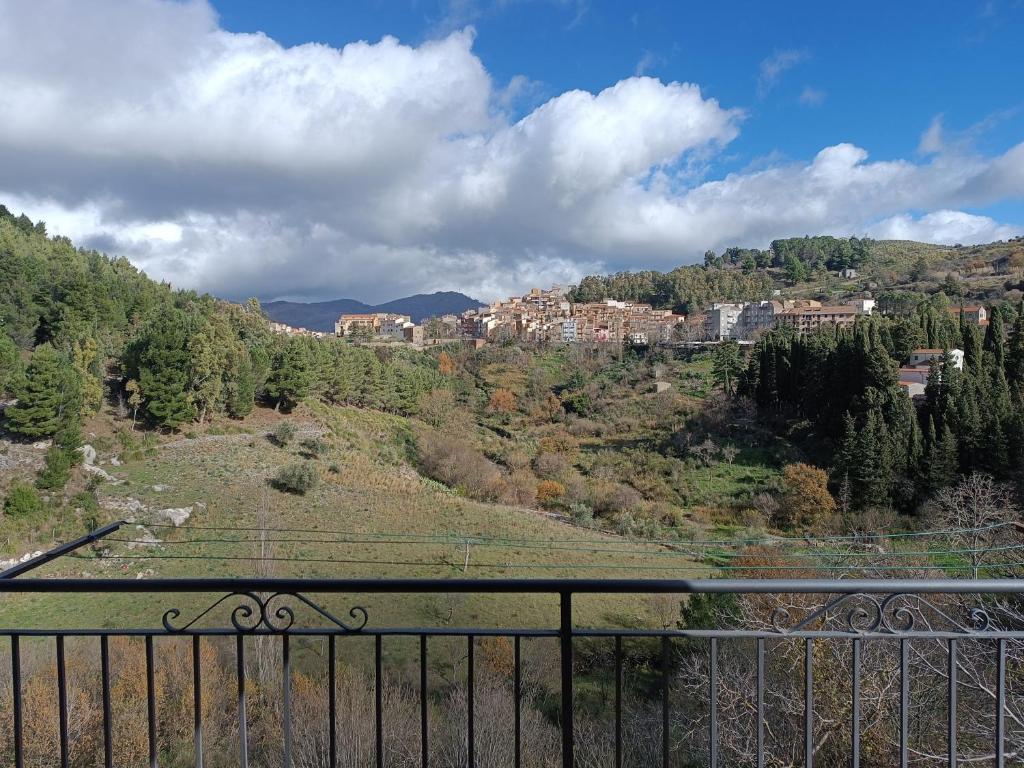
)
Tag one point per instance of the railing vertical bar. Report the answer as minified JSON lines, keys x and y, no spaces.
{"x":378,"y":703}
{"x":19,"y":757}
{"x":565,"y":640}
{"x":809,"y":702}
{"x":1001,"y":704}
{"x":332,"y":701}
{"x":197,"y":700}
{"x":713,"y":701}
{"x":243,"y":714}
{"x":62,"y":702}
{"x":618,"y":701}
{"x":108,"y":725}
{"x":951,"y":722}
{"x":151,"y":702}
{"x":517,"y":693}
{"x":665,"y":746}
{"x":904,"y":703}
{"x":760,"y":702}
{"x":470,"y":703}
{"x":424,"y":746}
{"x":286,"y":697}
{"x":855,"y":717}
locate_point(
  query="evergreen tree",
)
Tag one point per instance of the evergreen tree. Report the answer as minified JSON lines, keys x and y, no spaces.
{"x":291,"y":374}
{"x":48,"y":395}
{"x":943,"y":461}
{"x":994,"y":342}
{"x":10,"y":365}
{"x":161,"y":362}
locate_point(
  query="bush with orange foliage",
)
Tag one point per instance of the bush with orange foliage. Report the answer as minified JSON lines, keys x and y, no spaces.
{"x":550,"y":493}
{"x":502,"y":401}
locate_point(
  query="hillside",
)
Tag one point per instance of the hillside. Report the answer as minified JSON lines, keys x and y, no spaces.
{"x":901,"y":271}
{"x":321,"y":315}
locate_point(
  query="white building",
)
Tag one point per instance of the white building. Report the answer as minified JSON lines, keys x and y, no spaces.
{"x":922,"y":358}
{"x":393,"y":326}
{"x":863,"y":306}
{"x":721,"y":321}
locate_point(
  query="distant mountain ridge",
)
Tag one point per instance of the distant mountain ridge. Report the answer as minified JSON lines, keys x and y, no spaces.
{"x":321,"y":315}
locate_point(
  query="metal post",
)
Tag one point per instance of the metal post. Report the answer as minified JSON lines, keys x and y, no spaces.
{"x":565,"y":635}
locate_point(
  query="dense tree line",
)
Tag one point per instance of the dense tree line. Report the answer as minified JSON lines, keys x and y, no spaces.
{"x":79,"y":328}
{"x":883,"y":448}
{"x":690,"y":288}
{"x":684,"y":289}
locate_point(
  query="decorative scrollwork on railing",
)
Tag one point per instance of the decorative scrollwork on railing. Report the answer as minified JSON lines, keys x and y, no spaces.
{"x":272,"y":613}
{"x":862,"y":613}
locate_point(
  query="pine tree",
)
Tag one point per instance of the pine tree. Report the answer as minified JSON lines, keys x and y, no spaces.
{"x":48,"y":395}
{"x":291,"y":375}
{"x":162,"y":363}
{"x":10,"y":365}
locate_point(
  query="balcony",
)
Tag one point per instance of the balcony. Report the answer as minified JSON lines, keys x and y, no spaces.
{"x":293,"y":672}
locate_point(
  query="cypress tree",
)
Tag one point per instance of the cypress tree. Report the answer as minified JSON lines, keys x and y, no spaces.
{"x":1015,"y":353}
{"x":994,"y":342}
{"x":943,"y":464}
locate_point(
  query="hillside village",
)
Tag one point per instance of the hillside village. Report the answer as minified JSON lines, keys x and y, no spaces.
{"x":548,"y":316}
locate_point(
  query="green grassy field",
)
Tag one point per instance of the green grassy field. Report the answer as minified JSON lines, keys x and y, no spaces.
{"x":393,"y":523}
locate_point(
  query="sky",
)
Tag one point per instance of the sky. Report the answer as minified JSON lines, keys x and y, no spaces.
{"x":374,"y":149}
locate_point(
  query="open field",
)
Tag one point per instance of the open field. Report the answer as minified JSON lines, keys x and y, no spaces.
{"x":377,"y":518}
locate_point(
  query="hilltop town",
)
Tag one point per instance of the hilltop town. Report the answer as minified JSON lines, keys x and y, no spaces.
{"x":549,"y":316}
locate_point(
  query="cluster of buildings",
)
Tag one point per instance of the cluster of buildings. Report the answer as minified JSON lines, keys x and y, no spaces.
{"x":744,"y":320}
{"x":290,"y":330}
{"x":549,"y":316}
{"x":383,"y":325}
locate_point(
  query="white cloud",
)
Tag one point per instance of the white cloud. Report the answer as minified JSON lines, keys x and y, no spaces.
{"x":812,"y":97}
{"x":772,"y":68}
{"x":229,"y":163}
{"x":932,"y":140}
{"x":947,"y":227}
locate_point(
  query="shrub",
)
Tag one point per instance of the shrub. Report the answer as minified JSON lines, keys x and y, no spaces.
{"x":283,"y":433}
{"x":57,"y":471}
{"x":299,"y":478}
{"x":22,"y":501}
{"x":806,"y":502}
{"x":549,"y":493}
{"x":582,"y":515}
{"x":551,"y":466}
{"x":521,"y":488}
{"x":502,"y":401}
{"x":616,"y":498}
{"x":315,"y":446}
{"x":454,"y":462}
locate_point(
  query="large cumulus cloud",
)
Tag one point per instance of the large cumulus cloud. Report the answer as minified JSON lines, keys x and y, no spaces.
{"x":232,"y":164}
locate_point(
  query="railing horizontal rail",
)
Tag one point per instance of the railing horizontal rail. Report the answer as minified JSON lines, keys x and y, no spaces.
{"x":954,"y":658}
{"x":523,"y":586}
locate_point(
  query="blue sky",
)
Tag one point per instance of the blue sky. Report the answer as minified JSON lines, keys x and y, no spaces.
{"x":318,"y":150}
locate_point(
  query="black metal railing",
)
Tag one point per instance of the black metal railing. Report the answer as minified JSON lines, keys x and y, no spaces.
{"x":832,"y":625}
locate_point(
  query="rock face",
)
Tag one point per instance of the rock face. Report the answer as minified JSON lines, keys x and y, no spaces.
{"x":176,"y":516}
{"x":662,"y":386}
{"x":88,"y":455}
{"x":5,"y":564}
{"x":144,"y":538}
{"x":101,"y":473}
